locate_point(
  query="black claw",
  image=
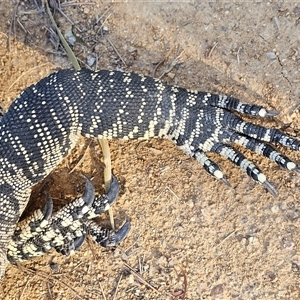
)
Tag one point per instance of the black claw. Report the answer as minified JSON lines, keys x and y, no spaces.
{"x":47,"y":208}
{"x":224,"y":180}
{"x":271,"y":189}
{"x":113,"y":191}
{"x":78,"y":242}
{"x":121,"y":234}
{"x":117,"y":237}
{"x":89,"y":192}
{"x":272,"y":113}
{"x":296,"y":169}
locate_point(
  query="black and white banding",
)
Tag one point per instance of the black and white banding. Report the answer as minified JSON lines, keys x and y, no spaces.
{"x":45,"y":122}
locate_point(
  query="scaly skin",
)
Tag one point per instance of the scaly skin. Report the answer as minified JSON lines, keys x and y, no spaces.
{"x":45,"y":121}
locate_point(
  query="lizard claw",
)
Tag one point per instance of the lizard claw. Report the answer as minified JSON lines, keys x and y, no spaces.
{"x":109,"y":238}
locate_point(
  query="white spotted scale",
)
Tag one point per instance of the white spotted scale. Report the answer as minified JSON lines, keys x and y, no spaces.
{"x":44,"y":123}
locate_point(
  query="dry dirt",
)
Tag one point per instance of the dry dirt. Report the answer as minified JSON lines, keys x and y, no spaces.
{"x":227,"y":243}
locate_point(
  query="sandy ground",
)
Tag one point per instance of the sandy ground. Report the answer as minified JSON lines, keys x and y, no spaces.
{"x":189,"y":231}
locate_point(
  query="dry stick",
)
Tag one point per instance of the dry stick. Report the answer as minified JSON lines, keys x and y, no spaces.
{"x":173,"y":64}
{"x":91,"y":244}
{"x":97,"y":292}
{"x":39,"y":8}
{"x":25,"y":286}
{"x":69,"y":20}
{"x":103,"y":142}
{"x":49,"y":291}
{"x":157,"y":66}
{"x":81,"y":159}
{"x":69,"y":51}
{"x":26,"y":31}
{"x":116,"y":291}
{"x":48,"y":278}
{"x":98,"y":19}
{"x":212,"y":49}
{"x":144,"y":281}
{"x":12,"y":25}
{"x":117,"y":52}
{"x":183,"y":273}
{"x":226,"y":238}
{"x":102,"y":24}
{"x":162,"y":61}
{"x":107,"y":174}
{"x":238,"y":55}
{"x":102,"y":291}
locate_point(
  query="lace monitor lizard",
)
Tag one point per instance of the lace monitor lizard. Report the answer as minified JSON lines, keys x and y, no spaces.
{"x":45,"y":121}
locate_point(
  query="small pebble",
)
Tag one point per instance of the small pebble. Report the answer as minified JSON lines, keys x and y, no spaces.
{"x":171,"y":75}
{"x":190,"y":203}
{"x":217,"y":290}
{"x":130,"y":279}
{"x":70,"y":37}
{"x":274,"y":209}
{"x":54,"y":266}
{"x":91,"y":60}
{"x":271,"y":55}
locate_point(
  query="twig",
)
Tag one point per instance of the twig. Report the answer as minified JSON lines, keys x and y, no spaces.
{"x":48,"y":277}
{"x":172,"y":192}
{"x":54,"y":4}
{"x":54,"y":39}
{"x":183,"y":273}
{"x":22,"y":27}
{"x":226,"y":237}
{"x":277,"y":23}
{"x":157,"y":66}
{"x":40,"y":9}
{"x":99,"y":18}
{"x":49,"y":291}
{"x":102,"y":291}
{"x":142,"y":280}
{"x":116,"y":291}
{"x":115,"y":49}
{"x":103,"y":22}
{"x":90,"y":242}
{"x":238,"y":55}
{"x":140,"y":265}
{"x":212,"y":49}
{"x":162,"y":61}
{"x":69,"y":20}
{"x":81,"y":159}
{"x":107,"y":174}
{"x":94,"y":291}
{"x":173,"y":64}
{"x":12,"y":25}
{"x":133,"y":244}
{"x":126,"y":256}
{"x":63,"y":41}
{"x":25,"y":286}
